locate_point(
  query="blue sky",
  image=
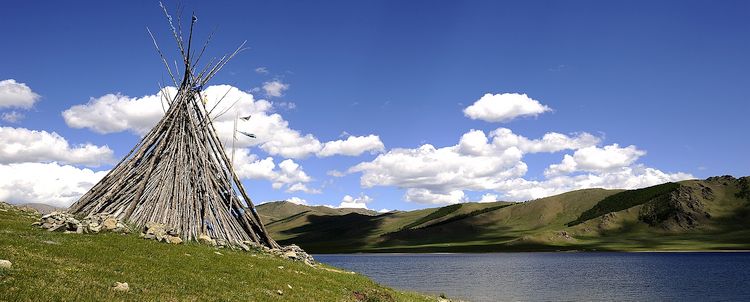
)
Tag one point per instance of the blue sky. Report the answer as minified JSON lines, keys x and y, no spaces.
{"x":667,"y":81}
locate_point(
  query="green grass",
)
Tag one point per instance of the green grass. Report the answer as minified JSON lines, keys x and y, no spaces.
{"x":537,"y":225}
{"x":624,"y":200}
{"x":440,"y":212}
{"x":466,"y":215}
{"x":52,"y":266}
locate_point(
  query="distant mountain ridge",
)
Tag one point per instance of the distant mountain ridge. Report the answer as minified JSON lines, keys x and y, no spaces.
{"x":42,"y":208}
{"x":710,"y":214}
{"x":277,"y":210}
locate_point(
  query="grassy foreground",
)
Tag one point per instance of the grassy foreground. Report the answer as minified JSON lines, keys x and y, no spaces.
{"x":51,"y":266}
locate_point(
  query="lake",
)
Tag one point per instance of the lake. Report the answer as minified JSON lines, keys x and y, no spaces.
{"x":560,"y":276}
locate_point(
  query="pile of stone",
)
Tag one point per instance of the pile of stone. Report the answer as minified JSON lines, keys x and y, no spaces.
{"x":61,"y":221}
{"x":160,"y":232}
{"x":293,"y":252}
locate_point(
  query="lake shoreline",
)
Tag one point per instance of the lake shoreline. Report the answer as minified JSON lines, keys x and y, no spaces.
{"x":369,"y":253}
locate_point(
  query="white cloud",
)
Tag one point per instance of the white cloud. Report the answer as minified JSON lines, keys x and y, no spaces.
{"x":16,"y":95}
{"x":439,"y":175}
{"x":353,"y":146}
{"x":116,"y":113}
{"x":297,"y":200}
{"x":288,"y":174}
{"x":504,"y":107}
{"x":595,"y":159}
{"x":12,"y":117}
{"x":489,"y":197}
{"x":285,"y":105}
{"x":383,"y":211}
{"x":248,"y":166}
{"x":359,"y":202}
{"x":336,"y":173}
{"x":291,"y":172}
{"x":261,"y":70}
{"x":480,"y":163}
{"x":24,"y":145}
{"x":421,"y":195}
{"x":275,"y":88}
{"x":50,"y":183}
{"x":550,"y":142}
{"x":632,"y":177}
{"x":300,"y":187}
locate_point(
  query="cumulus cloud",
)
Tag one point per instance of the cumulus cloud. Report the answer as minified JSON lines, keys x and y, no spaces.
{"x":275,"y":88}
{"x":359,"y":202}
{"x":632,"y":177}
{"x":479,"y":162}
{"x":504,"y":107}
{"x":16,"y":95}
{"x":50,"y":183}
{"x":352,"y":146}
{"x":489,"y":197}
{"x":595,"y":159}
{"x":288,"y":174}
{"x":300,"y":187}
{"x":116,"y":113}
{"x":550,"y":142}
{"x":291,"y":172}
{"x":12,"y":117}
{"x":421,"y":195}
{"x":24,"y":145}
{"x":297,"y":200}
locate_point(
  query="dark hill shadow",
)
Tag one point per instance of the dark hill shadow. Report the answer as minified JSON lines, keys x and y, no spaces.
{"x":457,"y":229}
{"x":334,"y":234}
{"x":288,"y":218}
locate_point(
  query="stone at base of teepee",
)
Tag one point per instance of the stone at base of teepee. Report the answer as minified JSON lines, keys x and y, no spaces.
{"x":65,"y":222}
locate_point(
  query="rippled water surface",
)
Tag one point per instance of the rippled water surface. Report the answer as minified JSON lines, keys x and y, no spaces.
{"x":560,"y":276}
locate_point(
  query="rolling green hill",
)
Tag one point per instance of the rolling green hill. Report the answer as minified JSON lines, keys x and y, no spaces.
{"x":709,"y":214}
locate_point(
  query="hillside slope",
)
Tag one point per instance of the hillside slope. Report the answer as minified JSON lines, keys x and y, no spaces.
{"x":709,"y":214}
{"x":52,"y":266}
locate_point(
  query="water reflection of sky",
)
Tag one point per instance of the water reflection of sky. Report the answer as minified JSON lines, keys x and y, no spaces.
{"x":561,"y":276}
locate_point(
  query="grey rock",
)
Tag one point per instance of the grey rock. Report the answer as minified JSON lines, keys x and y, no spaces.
{"x":173,"y":239}
{"x":221,"y":242}
{"x":121,"y":287}
{"x":110,"y":223}
{"x":205,"y":239}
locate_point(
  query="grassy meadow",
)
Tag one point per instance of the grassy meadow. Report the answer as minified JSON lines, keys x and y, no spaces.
{"x":52,"y":266}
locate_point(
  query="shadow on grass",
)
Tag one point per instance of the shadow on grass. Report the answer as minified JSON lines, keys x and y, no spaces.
{"x":327,"y":234}
{"x":288,"y":218}
{"x":453,"y":233}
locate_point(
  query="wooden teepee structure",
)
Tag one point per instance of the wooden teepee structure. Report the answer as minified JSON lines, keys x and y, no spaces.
{"x":179,"y":173}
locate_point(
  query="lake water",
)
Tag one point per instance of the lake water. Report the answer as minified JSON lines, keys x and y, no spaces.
{"x":560,"y":276}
